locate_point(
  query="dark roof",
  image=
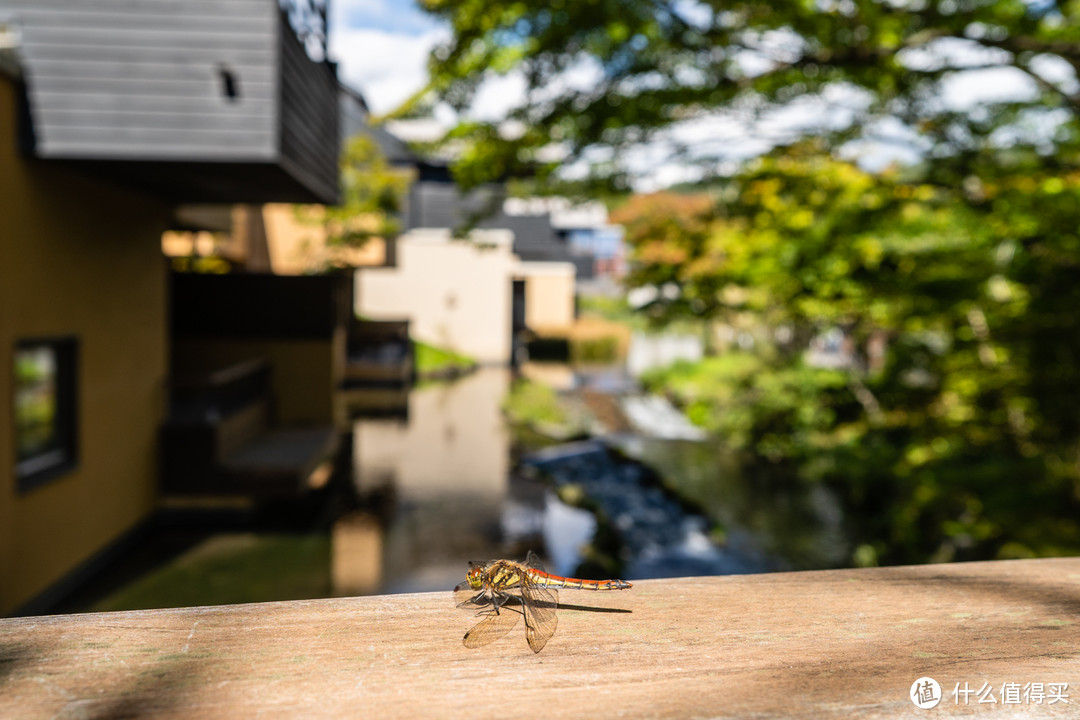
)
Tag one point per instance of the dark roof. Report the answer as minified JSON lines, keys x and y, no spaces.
{"x":194,"y":100}
{"x":399,"y":153}
{"x":441,"y":205}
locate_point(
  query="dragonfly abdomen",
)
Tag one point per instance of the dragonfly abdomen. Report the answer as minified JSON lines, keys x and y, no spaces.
{"x":556,"y":581}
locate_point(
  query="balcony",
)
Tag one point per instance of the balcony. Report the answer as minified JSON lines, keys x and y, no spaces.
{"x":212,"y":102}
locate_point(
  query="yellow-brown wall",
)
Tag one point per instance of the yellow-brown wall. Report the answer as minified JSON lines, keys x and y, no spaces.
{"x":296,"y":239}
{"x":79,"y":258}
{"x":549,"y":296}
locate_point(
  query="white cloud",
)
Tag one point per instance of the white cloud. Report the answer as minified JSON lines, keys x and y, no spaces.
{"x":497,"y":96}
{"x":965,"y":90}
{"x":386,"y":67}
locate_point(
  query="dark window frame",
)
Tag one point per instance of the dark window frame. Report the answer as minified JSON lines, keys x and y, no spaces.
{"x":36,"y":470}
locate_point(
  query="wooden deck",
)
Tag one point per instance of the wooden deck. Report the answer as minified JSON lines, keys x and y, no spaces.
{"x":843,"y":644}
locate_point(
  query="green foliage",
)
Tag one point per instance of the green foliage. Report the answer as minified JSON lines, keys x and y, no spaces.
{"x":431,"y":360}
{"x":532,"y":402}
{"x":954,"y":416}
{"x":372,"y":197}
{"x":536,"y":405}
{"x":605,"y":75}
{"x":609,"y":308}
{"x":778,"y":413}
{"x":208,"y":264}
{"x":603,"y":349}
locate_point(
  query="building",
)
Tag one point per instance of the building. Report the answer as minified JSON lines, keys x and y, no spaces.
{"x":534,"y":295}
{"x":112,"y":114}
{"x":456,"y":294}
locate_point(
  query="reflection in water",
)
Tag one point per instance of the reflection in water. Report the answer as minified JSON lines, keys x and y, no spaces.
{"x":566,"y":530}
{"x":798,"y":526}
{"x":454,"y":442}
{"x":556,"y":375}
{"x":453,"y":497}
{"x":356,"y":554}
{"x":648,"y":351}
{"x":447,"y":470}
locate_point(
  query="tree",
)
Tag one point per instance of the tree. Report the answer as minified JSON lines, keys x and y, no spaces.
{"x":603,"y":76}
{"x":940,"y":433}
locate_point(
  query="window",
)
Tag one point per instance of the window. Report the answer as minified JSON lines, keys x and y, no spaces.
{"x":45,"y":425}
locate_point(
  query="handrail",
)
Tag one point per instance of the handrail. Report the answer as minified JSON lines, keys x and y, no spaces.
{"x":843,"y":644}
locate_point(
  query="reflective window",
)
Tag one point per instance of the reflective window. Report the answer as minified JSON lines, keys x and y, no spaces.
{"x":45,"y":423}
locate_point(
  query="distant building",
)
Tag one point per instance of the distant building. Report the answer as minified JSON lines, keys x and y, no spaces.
{"x":456,"y":294}
{"x":595,"y":246}
{"x":543,"y":281}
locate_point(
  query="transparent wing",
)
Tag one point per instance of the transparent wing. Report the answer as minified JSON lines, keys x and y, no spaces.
{"x":492,"y":627}
{"x":539,"y":605}
{"x":469,"y":598}
{"x":533,"y":561}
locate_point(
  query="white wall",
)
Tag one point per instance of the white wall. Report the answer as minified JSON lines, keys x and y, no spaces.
{"x":455,"y":293}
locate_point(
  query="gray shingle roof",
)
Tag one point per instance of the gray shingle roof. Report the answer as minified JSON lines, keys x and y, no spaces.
{"x":441,"y":205}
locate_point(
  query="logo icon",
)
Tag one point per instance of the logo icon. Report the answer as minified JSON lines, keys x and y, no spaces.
{"x":925,"y":693}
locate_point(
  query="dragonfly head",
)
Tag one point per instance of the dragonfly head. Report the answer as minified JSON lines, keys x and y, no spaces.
{"x":475,"y":577}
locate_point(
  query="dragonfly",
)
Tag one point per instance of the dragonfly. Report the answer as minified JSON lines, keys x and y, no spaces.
{"x":505,"y":591}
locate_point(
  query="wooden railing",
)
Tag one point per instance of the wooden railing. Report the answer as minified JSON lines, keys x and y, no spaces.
{"x":843,"y":644}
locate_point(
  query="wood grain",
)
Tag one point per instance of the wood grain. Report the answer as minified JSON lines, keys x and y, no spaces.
{"x":818,"y":644}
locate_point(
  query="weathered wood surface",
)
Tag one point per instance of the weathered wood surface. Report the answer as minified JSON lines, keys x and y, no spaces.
{"x":823,"y":644}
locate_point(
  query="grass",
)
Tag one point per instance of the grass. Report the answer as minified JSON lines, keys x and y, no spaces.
{"x":234,"y":568}
{"x":431,"y":360}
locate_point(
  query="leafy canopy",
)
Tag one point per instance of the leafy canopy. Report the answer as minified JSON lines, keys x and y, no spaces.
{"x":605,"y":76}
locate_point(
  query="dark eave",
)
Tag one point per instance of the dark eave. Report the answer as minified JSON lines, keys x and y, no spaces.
{"x":194,"y":101}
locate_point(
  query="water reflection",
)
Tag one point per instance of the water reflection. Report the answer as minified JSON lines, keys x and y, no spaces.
{"x":454,"y":495}
{"x":654,"y":350}
{"x":356,"y":554}
{"x":793,"y":526}
{"x":447,"y":469}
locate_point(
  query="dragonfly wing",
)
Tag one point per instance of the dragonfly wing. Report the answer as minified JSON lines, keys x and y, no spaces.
{"x":539,"y":605}
{"x":533,"y":561}
{"x":492,"y":627}
{"x":470,"y":598}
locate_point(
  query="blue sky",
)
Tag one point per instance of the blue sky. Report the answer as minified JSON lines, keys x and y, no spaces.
{"x":399,"y":18}
{"x":382,"y":47}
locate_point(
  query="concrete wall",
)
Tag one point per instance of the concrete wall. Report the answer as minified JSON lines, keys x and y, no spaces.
{"x":83,"y":259}
{"x":455,"y":293}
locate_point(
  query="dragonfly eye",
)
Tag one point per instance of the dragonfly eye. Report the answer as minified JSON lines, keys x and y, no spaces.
{"x":474,"y":578}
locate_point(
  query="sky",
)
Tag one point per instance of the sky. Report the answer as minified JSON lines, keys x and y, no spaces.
{"x":381,"y":47}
